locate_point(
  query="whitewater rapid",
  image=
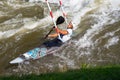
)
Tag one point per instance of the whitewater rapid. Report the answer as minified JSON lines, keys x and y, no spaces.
{"x":96,"y":37}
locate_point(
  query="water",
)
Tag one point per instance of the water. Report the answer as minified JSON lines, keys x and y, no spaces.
{"x":96,"y":39}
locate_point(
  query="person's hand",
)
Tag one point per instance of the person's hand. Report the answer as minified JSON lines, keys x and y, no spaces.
{"x":57,"y":30}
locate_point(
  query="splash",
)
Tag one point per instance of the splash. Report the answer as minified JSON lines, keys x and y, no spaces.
{"x":112,"y":41}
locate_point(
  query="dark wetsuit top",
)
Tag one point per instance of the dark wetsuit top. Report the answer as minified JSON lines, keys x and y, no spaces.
{"x":54,"y":43}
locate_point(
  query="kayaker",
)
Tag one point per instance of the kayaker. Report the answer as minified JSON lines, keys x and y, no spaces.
{"x":60,"y":37}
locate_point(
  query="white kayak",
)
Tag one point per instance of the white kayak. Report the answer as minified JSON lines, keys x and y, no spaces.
{"x":37,"y":52}
{"x":33,"y":54}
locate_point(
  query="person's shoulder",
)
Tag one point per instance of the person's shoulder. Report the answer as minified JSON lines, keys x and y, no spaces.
{"x":69,"y":30}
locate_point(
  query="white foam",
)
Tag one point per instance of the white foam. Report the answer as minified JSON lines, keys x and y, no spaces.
{"x":112,"y":41}
{"x":7,"y":34}
{"x":77,"y":18}
{"x":86,"y":41}
{"x":28,"y":25}
{"x":102,"y":20}
{"x":1,"y":33}
{"x":115,"y":3}
{"x":31,"y":25}
{"x":45,"y":21}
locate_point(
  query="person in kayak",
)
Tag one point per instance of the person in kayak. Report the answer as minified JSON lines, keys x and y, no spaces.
{"x":60,"y":36}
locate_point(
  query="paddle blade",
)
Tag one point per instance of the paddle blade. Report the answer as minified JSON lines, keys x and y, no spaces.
{"x":60,"y":20}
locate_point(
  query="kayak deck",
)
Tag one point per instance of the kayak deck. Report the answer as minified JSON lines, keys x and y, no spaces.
{"x":38,"y":52}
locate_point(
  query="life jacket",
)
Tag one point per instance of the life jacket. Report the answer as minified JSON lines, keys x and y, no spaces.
{"x":66,"y":37}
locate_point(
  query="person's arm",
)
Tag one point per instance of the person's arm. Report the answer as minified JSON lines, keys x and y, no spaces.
{"x":53,"y":35}
{"x":64,"y":32}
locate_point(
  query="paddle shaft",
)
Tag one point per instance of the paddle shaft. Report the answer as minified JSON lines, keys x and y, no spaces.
{"x":55,"y":23}
{"x":59,"y":20}
{"x":49,"y":32}
{"x":63,"y":12}
{"x":51,"y":14}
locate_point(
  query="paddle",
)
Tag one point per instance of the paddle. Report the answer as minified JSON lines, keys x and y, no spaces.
{"x":60,"y":20}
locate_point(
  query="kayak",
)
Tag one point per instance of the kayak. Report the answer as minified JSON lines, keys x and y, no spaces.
{"x":33,"y":54}
{"x":46,"y":48}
